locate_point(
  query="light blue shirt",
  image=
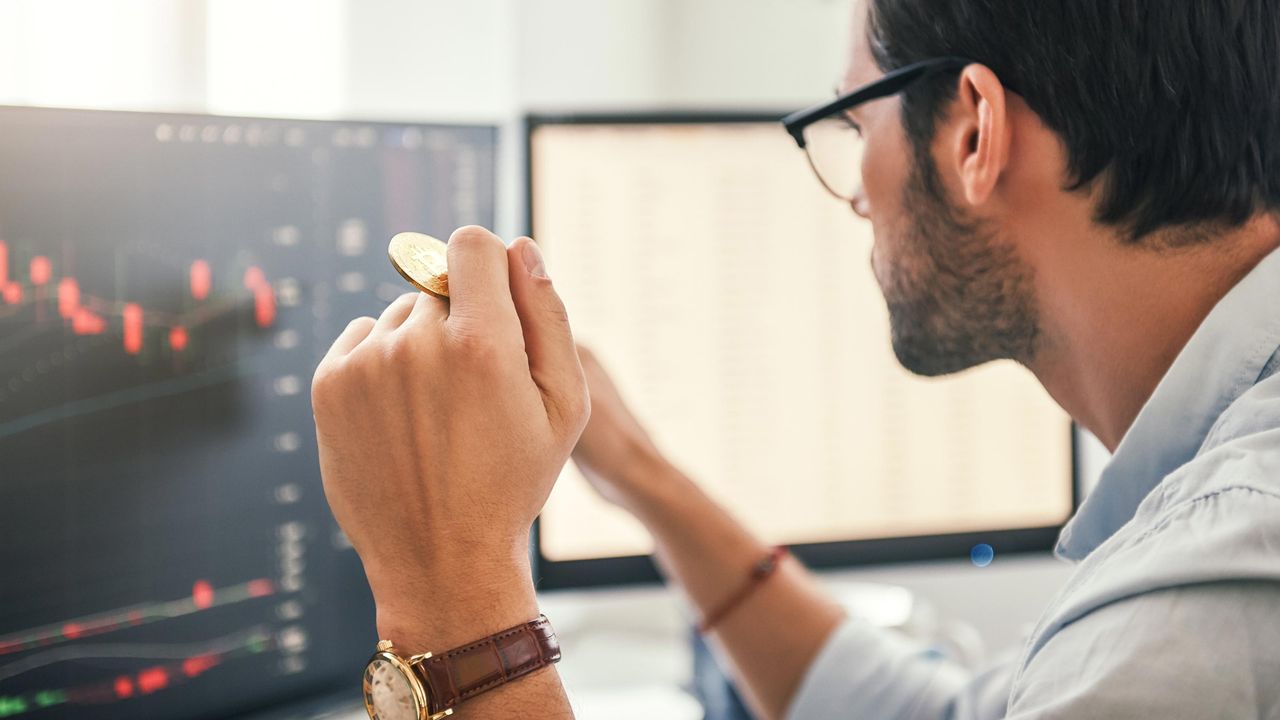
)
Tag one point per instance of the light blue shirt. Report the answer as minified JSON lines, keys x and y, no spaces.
{"x":1173,"y":610}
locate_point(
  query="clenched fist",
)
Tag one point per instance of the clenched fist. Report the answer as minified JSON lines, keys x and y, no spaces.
{"x":442,"y":427}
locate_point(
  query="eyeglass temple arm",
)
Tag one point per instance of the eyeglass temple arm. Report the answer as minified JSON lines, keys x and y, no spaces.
{"x":892,"y":83}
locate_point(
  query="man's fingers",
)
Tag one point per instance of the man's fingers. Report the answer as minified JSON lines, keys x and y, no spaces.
{"x":479,"y":294}
{"x":548,"y":339}
{"x":395,"y":314}
{"x":427,"y":308}
{"x":357,"y":330}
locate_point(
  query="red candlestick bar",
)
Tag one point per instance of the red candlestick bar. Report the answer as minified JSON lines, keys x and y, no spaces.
{"x":41,"y":270}
{"x":132,"y":328}
{"x":68,"y":297}
{"x":86,"y":322}
{"x":199,"y":664}
{"x":10,"y":292}
{"x":201,"y":279}
{"x":261,"y":587}
{"x":264,"y":305}
{"x":178,"y":338}
{"x":152,"y":679}
{"x":253,"y":278}
{"x":202,"y":594}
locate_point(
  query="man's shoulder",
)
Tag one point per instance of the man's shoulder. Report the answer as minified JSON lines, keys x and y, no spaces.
{"x":1249,"y":423}
{"x":1211,"y":522}
{"x":1227,"y":496}
{"x":1200,"y":651}
{"x":1240,"y":456}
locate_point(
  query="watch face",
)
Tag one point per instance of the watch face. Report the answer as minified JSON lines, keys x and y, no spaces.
{"x":388,"y":692}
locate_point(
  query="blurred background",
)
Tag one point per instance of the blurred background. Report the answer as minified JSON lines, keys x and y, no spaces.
{"x":170,"y":278}
{"x":486,"y":60}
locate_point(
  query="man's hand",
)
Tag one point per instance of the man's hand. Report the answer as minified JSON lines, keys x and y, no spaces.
{"x":442,"y":427}
{"x":773,"y":636}
{"x":615,"y":452}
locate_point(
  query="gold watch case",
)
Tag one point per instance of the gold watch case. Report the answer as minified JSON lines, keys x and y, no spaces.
{"x":416,"y":693}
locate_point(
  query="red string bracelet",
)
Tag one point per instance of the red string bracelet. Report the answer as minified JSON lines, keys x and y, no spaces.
{"x":759,"y":573}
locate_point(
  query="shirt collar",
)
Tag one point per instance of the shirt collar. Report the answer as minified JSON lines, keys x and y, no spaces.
{"x":1222,"y":360}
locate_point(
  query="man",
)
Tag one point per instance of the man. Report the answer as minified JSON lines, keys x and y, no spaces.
{"x":1091,"y":190}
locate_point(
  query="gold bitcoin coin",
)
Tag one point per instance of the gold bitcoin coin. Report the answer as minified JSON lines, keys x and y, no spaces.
{"x":422,"y":261}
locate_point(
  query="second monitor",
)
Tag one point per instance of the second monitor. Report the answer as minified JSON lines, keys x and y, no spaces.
{"x":733,"y":302}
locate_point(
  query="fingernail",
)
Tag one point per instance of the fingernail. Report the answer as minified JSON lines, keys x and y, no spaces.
{"x":533,"y":260}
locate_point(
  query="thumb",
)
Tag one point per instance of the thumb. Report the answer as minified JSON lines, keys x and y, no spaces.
{"x":548,"y":339}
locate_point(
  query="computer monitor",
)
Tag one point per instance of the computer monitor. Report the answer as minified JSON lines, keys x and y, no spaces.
{"x":732,"y":300}
{"x":168,"y":284}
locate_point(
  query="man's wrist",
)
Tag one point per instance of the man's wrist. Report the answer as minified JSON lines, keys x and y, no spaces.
{"x":656,"y":484}
{"x":457,"y":604}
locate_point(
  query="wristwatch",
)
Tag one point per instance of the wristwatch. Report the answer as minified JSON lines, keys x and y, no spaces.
{"x":428,"y":687}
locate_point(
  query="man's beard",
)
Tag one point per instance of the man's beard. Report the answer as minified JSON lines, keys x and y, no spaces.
{"x":958,"y":297}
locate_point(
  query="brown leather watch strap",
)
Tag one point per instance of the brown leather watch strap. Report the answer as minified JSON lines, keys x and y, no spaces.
{"x":467,"y":671}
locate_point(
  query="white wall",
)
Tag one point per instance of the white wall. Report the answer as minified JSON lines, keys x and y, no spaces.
{"x":765,"y":53}
{"x":496,"y":58}
{"x":276,"y":57}
{"x":427,"y":59}
{"x":121,"y":54}
{"x":440,"y":60}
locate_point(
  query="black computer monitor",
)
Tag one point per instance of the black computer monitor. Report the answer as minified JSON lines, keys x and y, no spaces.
{"x":168,"y":284}
{"x":733,"y":302}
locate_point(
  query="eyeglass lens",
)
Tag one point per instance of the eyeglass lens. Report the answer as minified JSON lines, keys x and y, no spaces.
{"x":835,"y":148}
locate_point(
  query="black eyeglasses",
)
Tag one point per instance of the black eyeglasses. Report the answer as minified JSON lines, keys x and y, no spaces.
{"x":833,"y":143}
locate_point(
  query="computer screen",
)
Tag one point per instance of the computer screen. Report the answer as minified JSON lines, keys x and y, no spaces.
{"x":733,"y":302}
{"x":168,"y":284}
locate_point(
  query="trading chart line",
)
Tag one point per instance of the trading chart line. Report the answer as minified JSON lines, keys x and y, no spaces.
{"x":203,"y":597}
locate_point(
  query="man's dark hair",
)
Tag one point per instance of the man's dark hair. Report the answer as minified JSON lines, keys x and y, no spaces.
{"x":1174,"y":105}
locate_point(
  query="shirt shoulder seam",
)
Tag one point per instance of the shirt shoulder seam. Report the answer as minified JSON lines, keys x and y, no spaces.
{"x":1175,"y":511}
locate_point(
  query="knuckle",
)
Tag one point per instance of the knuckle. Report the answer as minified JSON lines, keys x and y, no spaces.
{"x":400,"y":302}
{"x":325,"y":384}
{"x":398,"y":350}
{"x":320,"y":384}
{"x":475,"y":345}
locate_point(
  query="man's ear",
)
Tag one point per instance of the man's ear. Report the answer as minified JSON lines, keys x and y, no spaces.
{"x":978,"y":133}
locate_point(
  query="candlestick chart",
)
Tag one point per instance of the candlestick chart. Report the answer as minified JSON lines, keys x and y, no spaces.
{"x":167,"y":285}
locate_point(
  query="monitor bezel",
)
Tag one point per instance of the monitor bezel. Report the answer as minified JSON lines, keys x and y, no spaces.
{"x":494,"y":126}
{"x":641,"y":569}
